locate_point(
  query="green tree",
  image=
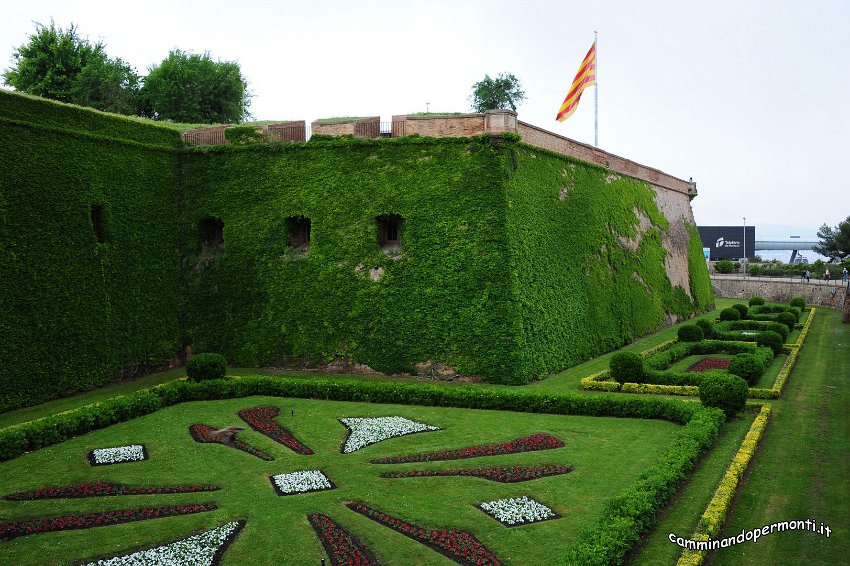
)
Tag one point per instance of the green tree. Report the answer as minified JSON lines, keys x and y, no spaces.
{"x":834,"y":242}
{"x":60,"y":65}
{"x":188,"y":87}
{"x":502,"y":92}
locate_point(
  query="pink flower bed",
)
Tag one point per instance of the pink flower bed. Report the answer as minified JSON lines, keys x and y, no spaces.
{"x":199,"y":433}
{"x":460,"y":546}
{"x":16,"y":529}
{"x":524,"y":444}
{"x":343,"y":548}
{"x":261,"y":419}
{"x":507,"y":474}
{"x":709,"y":363}
{"x":101,"y":489}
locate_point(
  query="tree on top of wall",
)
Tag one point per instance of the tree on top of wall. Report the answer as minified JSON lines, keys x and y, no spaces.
{"x":191,"y":87}
{"x":834,"y":242}
{"x":60,"y":65}
{"x":502,"y":92}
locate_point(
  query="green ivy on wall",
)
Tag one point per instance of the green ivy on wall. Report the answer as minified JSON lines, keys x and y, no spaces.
{"x":74,"y":311}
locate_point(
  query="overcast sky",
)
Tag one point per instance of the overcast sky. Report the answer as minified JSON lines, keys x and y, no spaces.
{"x":748,"y":97}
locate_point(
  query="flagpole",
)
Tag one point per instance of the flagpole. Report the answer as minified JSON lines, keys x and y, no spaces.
{"x":596,"y":93}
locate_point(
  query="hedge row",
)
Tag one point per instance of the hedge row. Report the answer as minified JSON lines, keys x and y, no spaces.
{"x":714,"y":516}
{"x":625,"y":517}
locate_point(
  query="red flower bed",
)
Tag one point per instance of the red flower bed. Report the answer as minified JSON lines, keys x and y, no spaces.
{"x":460,"y":546}
{"x":68,"y":522}
{"x":199,"y":433}
{"x":261,"y":419}
{"x":343,"y":548}
{"x":709,"y":363}
{"x":524,"y":444}
{"x":101,"y":489}
{"x":507,"y":474}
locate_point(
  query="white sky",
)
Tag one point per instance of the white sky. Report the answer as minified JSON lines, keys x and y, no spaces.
{"x":748,"y":97}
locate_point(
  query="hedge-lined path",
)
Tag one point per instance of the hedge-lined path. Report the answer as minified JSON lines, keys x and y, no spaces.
{"x":802,"y":470}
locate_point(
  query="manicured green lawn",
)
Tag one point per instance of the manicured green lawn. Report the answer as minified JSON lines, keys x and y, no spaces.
{"x":607,"y":454}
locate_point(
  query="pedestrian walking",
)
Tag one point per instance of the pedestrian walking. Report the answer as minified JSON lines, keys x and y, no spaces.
{"x":844,"y":275}
{"x":826,"y":275}
{"x":808,"y":276}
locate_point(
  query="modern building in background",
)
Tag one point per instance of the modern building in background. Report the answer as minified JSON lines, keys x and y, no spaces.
{"x":729,"y":242}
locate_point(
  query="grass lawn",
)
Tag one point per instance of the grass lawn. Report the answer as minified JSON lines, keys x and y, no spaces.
{"x":802,"y":470}
{"x":607,"y":455}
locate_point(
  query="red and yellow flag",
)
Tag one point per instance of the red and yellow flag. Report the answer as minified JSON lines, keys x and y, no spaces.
{"x":585,"y":77}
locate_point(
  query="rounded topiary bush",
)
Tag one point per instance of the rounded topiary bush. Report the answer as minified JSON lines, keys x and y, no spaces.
{"x":770,"y":339}
{"x":707,"y":328}
{"x":755,"y":301}
{"x":788,"y":319}
{"x":724,"y":391}
{"x":626,"y":366}
{"x":798,"y":302}
{"x":690,"y":333}
{"x":742,"y":310}
{"x":747,"y":366}
{"x":730,"y":314}
{"x":206,"y":366}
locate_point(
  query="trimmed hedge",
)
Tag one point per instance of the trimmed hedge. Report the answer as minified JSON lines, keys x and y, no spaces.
{"x":772,"y":340}
{"x":725,"y":391}
{"x":798,"y":302}
{"x":690,"y":333}
{"x":742,"y":310}
{"x":707,"y":328}
{"x":626,"y":366}
{"x":747,"y":366}
{"x":206,"y":366}
{"x":730,"y":314}
{"x":755,"y":301}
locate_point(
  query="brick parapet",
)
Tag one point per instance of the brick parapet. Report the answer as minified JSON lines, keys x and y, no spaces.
{"x":539,"y":137}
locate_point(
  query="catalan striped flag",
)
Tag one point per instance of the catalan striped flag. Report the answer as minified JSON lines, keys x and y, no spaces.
{"x":585,"y":77}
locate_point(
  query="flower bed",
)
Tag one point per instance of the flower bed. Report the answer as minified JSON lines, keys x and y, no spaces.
{"x":203,"y":549}
{"x":16,"y":529}
{"x":343,"y":548}
{"x":117,"y":455}
{"x":523,"y":444}
{"x":460,"y":546}
{"x":199,"y":434}
{"x":506,"y":474}
{"x":709,"y":363}
{"x":261,"y":419}
{"x":365,"y":431}
{"x":518,"y":511}
{"x":303,"y":481}
{"x":102,"y":489}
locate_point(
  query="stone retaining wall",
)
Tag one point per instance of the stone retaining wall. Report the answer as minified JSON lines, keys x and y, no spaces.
{"x":818,"y":293}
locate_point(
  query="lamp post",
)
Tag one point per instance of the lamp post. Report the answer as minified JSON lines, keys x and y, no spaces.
{"x":744,"y":241}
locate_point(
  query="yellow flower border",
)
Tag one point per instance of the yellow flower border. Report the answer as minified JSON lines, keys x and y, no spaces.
{"x":712,"y":519}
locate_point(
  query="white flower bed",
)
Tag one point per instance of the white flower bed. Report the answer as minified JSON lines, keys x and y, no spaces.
{"x":749,"y":333}
{"x":301,"y":482}
{"x":117,"y":455}
{"x":363,"y":432}
{"x":198,"y":550}
{"x":517,"y":511}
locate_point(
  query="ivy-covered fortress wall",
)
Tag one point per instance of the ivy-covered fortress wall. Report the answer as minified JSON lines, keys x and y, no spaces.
{"x":74,"y":310}
{"x":445,"y":295}
{"x":118,"y":247}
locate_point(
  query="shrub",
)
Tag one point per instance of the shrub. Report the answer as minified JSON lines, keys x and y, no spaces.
{"x":771,"y":340}
{"x":243,"y":135}
{"x":206,"y":366}
{"x":707,"y":328}
{"x":798,"y":302}
{"x":730,"y":314}
{"x":742,"y":310}
{"x":725,"y":391}
{"x":690,"y":333}
{"x":787,"y":318}
{"x":724,"y":266}
{"x":747,"y":366}
{"x":626,"y":366}
{"x":754,"y":301}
